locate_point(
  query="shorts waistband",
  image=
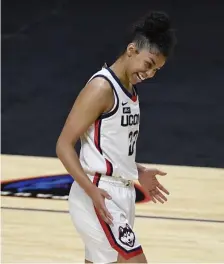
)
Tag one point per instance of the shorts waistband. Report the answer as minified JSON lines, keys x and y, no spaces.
{"x":115,"y":180}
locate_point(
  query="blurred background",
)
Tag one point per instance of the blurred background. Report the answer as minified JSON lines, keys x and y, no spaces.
{"x":51,"y":48}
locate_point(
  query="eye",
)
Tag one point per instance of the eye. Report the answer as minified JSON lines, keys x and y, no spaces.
{"x":148,"y":65}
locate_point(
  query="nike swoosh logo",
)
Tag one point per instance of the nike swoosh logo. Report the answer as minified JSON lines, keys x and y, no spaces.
{"x":124,"y":103}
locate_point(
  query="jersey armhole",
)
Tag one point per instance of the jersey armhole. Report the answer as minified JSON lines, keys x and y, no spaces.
{"x":116,"y":99}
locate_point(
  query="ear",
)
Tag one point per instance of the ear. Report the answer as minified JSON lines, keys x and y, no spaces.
{"x":131,"y":49}
{"x":128,"y":227}
{"x":120,"y":229}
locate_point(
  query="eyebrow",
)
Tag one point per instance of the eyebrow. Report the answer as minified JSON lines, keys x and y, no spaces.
{"x":152,"y":61}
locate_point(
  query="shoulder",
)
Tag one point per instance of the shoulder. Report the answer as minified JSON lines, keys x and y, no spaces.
{"x":100,"y":86}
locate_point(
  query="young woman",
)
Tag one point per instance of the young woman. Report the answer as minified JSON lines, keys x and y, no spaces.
{"x":106,"y":117}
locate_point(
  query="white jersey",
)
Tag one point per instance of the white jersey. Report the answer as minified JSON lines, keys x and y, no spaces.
{"x":109,"y":145}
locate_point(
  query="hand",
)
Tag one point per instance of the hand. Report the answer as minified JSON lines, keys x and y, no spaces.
{"x":147,"y":178}
{"x":98,"y":195}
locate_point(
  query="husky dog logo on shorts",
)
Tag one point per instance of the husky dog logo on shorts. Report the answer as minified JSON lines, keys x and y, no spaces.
{"x":126,"y":236}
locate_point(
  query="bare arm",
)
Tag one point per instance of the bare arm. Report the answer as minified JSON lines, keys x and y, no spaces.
{"x":93,"y":100}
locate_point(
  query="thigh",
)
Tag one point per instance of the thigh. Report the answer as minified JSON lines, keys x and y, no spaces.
{"x":121,"y":235}
{"x":86,"y":222}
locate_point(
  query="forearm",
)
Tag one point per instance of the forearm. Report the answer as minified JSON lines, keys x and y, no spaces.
{"x":69,"y":158}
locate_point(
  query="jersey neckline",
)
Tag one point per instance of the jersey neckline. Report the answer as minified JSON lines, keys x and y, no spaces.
{"x":133,"y":97}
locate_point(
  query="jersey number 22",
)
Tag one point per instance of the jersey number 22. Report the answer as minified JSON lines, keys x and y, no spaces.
{"x":132,"y":141}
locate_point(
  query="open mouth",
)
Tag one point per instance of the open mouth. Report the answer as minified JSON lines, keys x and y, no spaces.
{"x":140,"y":77}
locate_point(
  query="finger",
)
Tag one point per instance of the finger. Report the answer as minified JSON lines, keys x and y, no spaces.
{"x":104,"y":217}
{"x":157,"y":195}
{"x":105,"y":210}
{"x":152,"y":194}
{"x":108,"y":216}
{"x":105,"y":194}
{"x":161,"y":195}
{"x":159,"y":199}
{"x":163,"y":189}
{"x":162,"y":173}
{"x":153,"y":199}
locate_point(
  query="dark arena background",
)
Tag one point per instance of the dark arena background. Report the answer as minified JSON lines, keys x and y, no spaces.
{"x":49,"y":51}
{"x":51,"y":48}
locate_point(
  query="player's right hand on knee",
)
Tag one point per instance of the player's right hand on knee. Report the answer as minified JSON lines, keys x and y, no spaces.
{"x":98,"y":197}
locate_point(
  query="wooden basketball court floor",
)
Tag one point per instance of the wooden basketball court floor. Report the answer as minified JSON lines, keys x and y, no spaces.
{"x":189,"y":228}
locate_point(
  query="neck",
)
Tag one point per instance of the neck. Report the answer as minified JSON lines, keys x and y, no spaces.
{"x":119,"y":69}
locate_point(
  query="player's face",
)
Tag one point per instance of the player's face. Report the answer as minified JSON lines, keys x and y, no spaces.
{"x":143,"y":64}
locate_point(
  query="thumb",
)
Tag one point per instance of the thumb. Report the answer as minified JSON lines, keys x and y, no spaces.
{"x":162,"y":173}
{"x":105,"y":194}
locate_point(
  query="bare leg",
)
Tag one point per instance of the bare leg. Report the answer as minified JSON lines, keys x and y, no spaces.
{"x":86,"y":261}
{"x":137,"y":259}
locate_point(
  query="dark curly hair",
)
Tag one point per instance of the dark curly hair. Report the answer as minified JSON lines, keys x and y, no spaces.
{"x":153,"y":32}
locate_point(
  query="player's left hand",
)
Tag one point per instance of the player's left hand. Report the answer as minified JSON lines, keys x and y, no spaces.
{"x":149,"y":182}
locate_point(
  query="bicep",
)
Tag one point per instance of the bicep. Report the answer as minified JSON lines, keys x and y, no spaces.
{"x":89,"y":105}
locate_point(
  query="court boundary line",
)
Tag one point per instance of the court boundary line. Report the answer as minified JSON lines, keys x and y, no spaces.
{"x":137,"y":216}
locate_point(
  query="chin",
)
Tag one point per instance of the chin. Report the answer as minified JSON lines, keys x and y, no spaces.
{"x":134,"y":82}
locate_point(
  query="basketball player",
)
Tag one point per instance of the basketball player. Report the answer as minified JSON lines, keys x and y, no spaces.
{"x":106,"y":117}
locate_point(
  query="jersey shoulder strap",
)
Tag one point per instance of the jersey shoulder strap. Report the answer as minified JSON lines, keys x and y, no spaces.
{"x":104,"y":73}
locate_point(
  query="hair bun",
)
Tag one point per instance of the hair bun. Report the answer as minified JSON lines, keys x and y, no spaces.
{"x":153,"y":23}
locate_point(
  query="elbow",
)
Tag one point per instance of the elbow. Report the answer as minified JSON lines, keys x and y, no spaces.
{"x":58,"y":148}
{"x":62,"y":146}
